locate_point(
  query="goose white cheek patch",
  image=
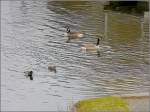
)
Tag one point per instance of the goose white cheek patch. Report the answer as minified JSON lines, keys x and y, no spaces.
{"x":80,"y":35}
{"x":65,"y":34}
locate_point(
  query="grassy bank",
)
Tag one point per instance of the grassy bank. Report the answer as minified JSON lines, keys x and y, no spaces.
{"x":104,"y":104}
{"x":122,"y":103}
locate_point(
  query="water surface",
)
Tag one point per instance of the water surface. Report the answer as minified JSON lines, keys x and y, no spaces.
{"x":32,"y":37}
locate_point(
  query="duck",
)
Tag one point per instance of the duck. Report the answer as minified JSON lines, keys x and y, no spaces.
{"x":91,"y":47}
{"x":29,"y":74}
{"x":52,"y":68}
{"x":72,"y":35}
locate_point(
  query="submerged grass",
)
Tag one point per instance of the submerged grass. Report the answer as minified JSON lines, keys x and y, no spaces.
{"x":103,"y":104}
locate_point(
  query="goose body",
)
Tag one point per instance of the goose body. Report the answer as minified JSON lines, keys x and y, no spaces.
{"x":73,"y":35}
{"x":91,"y":47}
{"x":29,"y":74}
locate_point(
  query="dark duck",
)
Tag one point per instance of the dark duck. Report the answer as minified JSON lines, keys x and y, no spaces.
{"x":29,"y":74}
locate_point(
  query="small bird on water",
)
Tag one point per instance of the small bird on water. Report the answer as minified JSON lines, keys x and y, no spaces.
{"x":29,"y":74}
{"x":52,"y":68}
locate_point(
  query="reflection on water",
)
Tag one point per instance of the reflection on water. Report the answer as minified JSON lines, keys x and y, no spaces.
{"x":33,"y":37}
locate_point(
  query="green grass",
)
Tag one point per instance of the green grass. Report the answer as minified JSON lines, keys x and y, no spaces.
{"x":103,"y":104}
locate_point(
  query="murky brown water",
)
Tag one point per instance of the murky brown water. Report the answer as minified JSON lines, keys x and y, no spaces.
{"x":32,"y":37}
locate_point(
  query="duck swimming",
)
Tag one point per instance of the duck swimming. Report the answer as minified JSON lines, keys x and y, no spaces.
{"x":29,"y":74}
{"x":52,"y":68}
{"x":91,"y":47}
{"x":73,"y":35}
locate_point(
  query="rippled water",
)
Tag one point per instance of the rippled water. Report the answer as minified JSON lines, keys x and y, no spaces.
{"x":32,"y":37}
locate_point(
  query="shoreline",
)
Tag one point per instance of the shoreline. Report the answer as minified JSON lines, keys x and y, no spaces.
{"x":137,"y":102}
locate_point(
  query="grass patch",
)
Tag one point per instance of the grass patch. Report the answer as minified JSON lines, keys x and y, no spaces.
{"x":103,"y":104}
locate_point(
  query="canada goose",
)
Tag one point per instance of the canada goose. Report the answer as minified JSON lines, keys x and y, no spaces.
{"x":91,"y":47}
{"x":52,"y":68}
{"x":72,"y":35}
{"x":29,"y":74}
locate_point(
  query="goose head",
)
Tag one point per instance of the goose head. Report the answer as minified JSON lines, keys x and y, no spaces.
{"x":98,"y":42}
{"x":68,"y":29}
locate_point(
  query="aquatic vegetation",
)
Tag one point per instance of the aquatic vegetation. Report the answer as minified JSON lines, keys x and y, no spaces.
{"x":133,"y":7}
{"x":103,"y":104}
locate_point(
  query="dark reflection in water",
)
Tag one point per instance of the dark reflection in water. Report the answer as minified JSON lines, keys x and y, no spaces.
{"x":33,"y":38}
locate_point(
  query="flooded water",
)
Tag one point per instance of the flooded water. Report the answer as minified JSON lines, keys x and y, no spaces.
{"x":32,"y":37}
